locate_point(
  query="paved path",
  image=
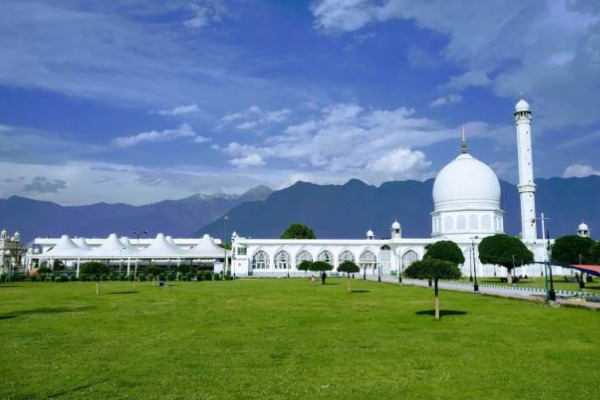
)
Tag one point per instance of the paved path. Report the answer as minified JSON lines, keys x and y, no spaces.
{"x":505,"y":291}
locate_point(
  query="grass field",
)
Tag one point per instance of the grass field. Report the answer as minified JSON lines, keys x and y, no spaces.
{"x":289,"y":339}
{"x":558,"y":282}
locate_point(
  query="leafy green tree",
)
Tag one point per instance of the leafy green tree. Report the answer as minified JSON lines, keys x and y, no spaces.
{"x":305,"y":266}
{"x":348,"y":267}
{"x":433,"y":268}
{"x":298,"y":231}
{"x":445,"y":250}
{"x":95,"y":269}
{"x":506,"y":251}
{"x":321,"y":266}
{"x":572,"y":249}
{"x":594,"y":255}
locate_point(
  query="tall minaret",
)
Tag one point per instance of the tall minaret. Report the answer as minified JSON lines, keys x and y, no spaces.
{"x":526,"y":185}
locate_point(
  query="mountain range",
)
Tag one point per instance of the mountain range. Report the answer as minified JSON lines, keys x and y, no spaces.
{"x":332,"y":211}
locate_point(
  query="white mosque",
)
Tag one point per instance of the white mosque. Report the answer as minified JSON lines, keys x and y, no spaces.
{"x":466,"y":196}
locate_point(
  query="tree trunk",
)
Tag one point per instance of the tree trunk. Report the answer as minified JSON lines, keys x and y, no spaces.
{"x":349,"y":289}
{"x":97,"y":288}
{"x":437,"y":300}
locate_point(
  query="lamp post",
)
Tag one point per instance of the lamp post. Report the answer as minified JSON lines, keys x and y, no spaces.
{"x":551,"y":294}
{"x":400,"y":270}
{"x":475,"y":285}
{"x":225,"y":220}
{"x":137,"y":253}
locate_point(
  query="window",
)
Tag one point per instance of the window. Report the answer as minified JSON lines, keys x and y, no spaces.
{"x":242,"y":251}
{"x":303,"y":256}
{"x":473,"y":222}
{"x":346,"y":256}
{"x":326,"y":256}
{"x":408,"y":258}
{"x":448,"y":223}
{"x":260,"y":260}
{"x":282,"y":260}
{"x":486,"y":222}
{"x":461,"y":222}
{"x":368,"y":260}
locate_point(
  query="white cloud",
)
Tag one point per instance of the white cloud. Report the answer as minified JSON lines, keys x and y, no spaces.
{"x":184,"y":130}
{"x":549,"y":50}
{"x":251,"y":160}
{"x":254,"y":117}
{"x":205,"y":13}
{"x":444,"y":100}
{"x":181,"y":110}
{"x":579,"y":171}
{"x":349,"y":140}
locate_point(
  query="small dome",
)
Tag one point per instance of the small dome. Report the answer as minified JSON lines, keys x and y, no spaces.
{"x":465,"y":183}
{"x":396,"y":225}
{"x":370,"y":233}
{"x":522,"y":105}
{"x":583,"y":227}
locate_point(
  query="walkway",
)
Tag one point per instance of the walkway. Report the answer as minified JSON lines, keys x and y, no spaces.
{"x":562,"y":297}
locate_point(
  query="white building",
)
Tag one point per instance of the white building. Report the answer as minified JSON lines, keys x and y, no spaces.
{"x":466,"y":196}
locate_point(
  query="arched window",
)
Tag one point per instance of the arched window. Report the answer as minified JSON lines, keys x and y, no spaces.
{"x":473,"y":222}
{"x":408,"y":258}
{"x":346,"y":256}
{"x":260,"y":260}
{"x":367,"y":260}
{"x":461,"y":222}
{"x":282,"y":260}
{"x":303,"y":256}
{"x":448,"y":223}
{"x":326,"y":256}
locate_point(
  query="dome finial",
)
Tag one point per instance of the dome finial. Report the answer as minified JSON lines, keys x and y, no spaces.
{"x":464,"y":141}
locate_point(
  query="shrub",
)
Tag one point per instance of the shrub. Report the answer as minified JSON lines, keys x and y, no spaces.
{"x":43,"y":270}
{"x":72,"y":278}
{"x":130,"y":277}
{"x":171,"y":276}
{"x":208,"y":275}
{"x":33,"y":278}
{"x":141,"y":277}
{"x":149,"y":277}
{"x":61,"y":278}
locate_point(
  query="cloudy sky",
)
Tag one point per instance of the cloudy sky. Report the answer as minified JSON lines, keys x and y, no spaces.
{"x":136,"y":101}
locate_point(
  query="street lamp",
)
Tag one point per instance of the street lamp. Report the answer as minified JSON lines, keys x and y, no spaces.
{"x":137,"y":253}
{"x":475,"y":285}
{"x":551,"y":294}
{"x":225,"y":220}
{"x":400,"y":270}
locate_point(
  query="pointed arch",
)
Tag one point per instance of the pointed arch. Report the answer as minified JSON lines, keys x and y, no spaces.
{"x":260,"y":260}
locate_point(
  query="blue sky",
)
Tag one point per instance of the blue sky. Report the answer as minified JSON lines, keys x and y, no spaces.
{"x":137,"y":101}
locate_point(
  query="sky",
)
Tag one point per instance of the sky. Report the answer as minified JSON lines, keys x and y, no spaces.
{"x":136,"y":101}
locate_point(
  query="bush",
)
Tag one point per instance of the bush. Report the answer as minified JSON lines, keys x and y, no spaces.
{"x":171,"y":276}
{"x":43,"y":270}
{"x":130,"y":277}
{"x":208,"y":276}
{"x":72,"y":278}
{"x":150,"y":277}
{"x":141,"y":277}
{"x":61,"y":278}
{"x":83,"y":277}
{"x":33,"y":278}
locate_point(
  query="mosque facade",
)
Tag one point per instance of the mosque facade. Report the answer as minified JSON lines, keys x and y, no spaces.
{"x":466,"y":196}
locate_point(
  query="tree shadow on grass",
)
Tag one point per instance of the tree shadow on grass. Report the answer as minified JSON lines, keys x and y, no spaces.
{"x":75,"y":389}
{"x":359,"y":291}
{"x":442,"y":312}
{"x":45,"y":310}
{"x":10,"y":286}
{"x":124,"y":292}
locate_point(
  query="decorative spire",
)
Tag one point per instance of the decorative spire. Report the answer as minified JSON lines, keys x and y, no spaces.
{"x":464,"y":141}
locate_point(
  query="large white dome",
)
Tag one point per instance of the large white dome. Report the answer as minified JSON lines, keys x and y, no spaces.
{"x":466,"y":183}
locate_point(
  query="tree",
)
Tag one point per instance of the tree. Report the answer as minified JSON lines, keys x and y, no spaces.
{"x":506,"y":251}
{"x":321,"y":266}
{"x":594,"y":255}
{"x":433,"y":268}
{"x":298,"y":231}
{"x":445,"y":250}
{"x":95,"y":268}
{"x":305,"y":266}
{"x":348,"y":267}
{"x":573,"y":249}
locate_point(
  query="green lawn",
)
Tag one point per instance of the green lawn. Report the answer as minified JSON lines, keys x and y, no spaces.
{"x":289,"y":339}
